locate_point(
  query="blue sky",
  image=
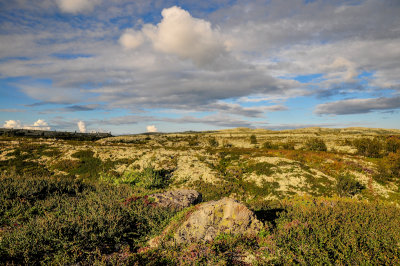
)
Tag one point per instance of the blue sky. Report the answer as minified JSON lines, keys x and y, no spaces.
{"x":133,"y":66}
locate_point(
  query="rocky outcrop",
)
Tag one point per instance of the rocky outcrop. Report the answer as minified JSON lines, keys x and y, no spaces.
{"x":216,"y":217}
{"x":178,"y":199}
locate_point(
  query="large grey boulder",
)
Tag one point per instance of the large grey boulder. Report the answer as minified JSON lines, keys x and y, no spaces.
{"x":179,"y":199}
{"x":215,"y":217}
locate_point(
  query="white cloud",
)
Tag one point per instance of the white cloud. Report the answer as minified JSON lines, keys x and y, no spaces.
{"x":81,"y":126}
{"x":76,"y":6}
{"x":16,"y":124}
{"x":343,"y":68}
{"x":151,"y":128}
{"x":12,"y":124}
{"x":40,"y":123}
{"x":131,"y":39}
{"x":180,"y":34}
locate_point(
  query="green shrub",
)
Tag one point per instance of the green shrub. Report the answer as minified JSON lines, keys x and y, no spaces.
{"x":316,"y":144}
{"x":288,"y":145}
{"x":149,"y":178}
{"x":213,"y":142}
{"x":347,"y":186}
{"x":392,"y":144}
{"x":388,"y":168}
{"x":193,"y":141}
{"x":268,"y":145}
{"x":87,"y":167}
{"x":261,"y":169}
{"x":24,"y":161}
{"x":340,"y":232}
{"x":50,"y":221}
{"x":307,"y":231}
{"x":368,"y":147}
{"x":253,"y":139}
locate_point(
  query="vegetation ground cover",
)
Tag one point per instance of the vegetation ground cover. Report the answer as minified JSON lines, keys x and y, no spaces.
{"x":324,"y":196}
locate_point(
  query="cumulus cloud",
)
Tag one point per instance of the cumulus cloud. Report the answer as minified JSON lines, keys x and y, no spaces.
{"x":16,"y":124}
{"x":151,"y":128}
{"x":180,"y":34}
{"x":81,"y":126}
{"x":358,"y":106}
{"x":76,"y":6}
{"x":40,"y":123}
{"x":131,"y":39}
{"x":12,"y":124}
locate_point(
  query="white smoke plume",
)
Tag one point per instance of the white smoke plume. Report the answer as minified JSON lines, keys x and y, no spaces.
{"x":81,"y":126}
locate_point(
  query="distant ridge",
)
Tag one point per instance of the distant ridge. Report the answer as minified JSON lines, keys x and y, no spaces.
{"x":10,"y":132}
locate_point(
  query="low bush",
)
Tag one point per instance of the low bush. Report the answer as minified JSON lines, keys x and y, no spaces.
{"x":347,"y":186}
{"x":307,"y":231}
{"x":388,"y":168}
{"x":149,"y":178}
{"x":212,"y":141}
{"x":23,"y":163}
{"x":253,"y":139}
{"x":87,"y":166}
{"x":368,"y":147}
{"x":288,"y":145}
{"x":392,"y":144}
{"x":316,"y":144}
{"x":46,"y":221}
{"x":270,"y":145}
{"x":340,"y":232}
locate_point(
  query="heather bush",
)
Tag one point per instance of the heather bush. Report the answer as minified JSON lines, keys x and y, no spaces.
{"x":308,"y":231}
{"x":66,"y":221}
{"x":342,"y":232}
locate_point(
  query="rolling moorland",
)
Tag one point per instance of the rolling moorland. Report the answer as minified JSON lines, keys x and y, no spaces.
{"x":323,"y":196}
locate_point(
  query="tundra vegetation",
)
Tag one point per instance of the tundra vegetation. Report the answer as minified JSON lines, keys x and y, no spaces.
{"x":324,"y":196}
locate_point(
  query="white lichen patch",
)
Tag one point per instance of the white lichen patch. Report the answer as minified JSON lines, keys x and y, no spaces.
{"x":117,"y":152}
{"x":272,"y":160}
{"x":259,"y":180}
{"x":318,"y":174}
{"x":377,"y":188}
{"x":289,"y":174}
{"x":190,"y":169}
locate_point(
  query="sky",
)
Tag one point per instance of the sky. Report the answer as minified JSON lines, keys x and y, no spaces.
{"x":125,"y":66}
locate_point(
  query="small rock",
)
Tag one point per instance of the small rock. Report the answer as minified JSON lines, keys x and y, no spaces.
{"x":178,"y":199}
{"x":216,"y":217}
